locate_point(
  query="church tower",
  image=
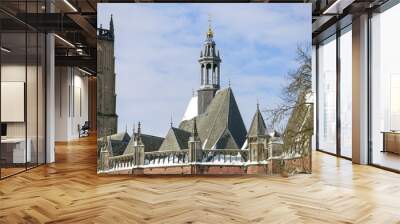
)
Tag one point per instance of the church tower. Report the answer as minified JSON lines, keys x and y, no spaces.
{"x":209,"y":72}
{"x":107,"y":118}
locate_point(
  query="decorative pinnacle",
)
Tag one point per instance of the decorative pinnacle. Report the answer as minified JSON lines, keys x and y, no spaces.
{"x":139,"y":131}
{"x":258,"y":104}
{"x":195,"y":134}
{"x":210,"y":32}
{"x":171,"y":123}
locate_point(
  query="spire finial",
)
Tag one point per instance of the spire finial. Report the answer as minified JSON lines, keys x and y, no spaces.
{"x":126,"y":128}
{"x":133,"y":129}
{"x":112,"y":24}
{"x":258,"y":104}
{"x":210,"y":32}
{"x":171,"y":123}
{"x":139,"y":130}
{"x":229,"y":83}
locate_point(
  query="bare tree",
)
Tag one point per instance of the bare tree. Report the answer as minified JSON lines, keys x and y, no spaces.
{"x":299,"y":86}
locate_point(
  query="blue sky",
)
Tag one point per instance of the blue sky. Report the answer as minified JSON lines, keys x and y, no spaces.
{"x":157,"y":47}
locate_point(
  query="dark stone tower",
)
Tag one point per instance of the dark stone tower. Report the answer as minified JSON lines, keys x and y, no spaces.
{"x":209,"y":73}
{"x":107,"y":118}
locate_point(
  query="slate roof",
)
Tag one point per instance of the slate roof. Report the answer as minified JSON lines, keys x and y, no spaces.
{"x":257,"y":126}
{"x":226,"y":141}
{"x":176,"y":139}
{"x":151,"y":143}
{"x":119,"y":141}
{"x":222,"y":122}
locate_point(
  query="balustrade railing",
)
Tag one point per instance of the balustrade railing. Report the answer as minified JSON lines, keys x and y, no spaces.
{"x":166,"y":157}
{"x":122,"y":161}
{"x":221,"y":156}
{"x":208,"y":156}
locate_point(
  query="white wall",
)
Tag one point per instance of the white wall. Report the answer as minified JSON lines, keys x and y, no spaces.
{"x":71,"y":94}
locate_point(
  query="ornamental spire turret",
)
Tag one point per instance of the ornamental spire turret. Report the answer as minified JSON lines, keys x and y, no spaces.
{"x":210,"y":62}
{"x":209,"y":71}
{"x":112,"y":25}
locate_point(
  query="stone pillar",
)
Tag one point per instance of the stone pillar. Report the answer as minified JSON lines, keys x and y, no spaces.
{"x":139,"y":154}
{"x":138,"y":149}
{"x":257,"y":152}
{"x":105,"y":156}
{"x":207,"y":74}
{"x":201,"y":75}
{"x":218,"y":74}
{"x":212,"y":74}
{"x":195,"y":151}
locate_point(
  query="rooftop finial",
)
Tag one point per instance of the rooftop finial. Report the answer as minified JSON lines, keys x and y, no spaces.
{"x":229,"y":83}
{"x":171,"y":123}
{"x":126,"y":128}
{"x":210,"y":32}
{"x":139,"y":130}
{"x":258,"y":104}
{"x":133,"y":130}
{"x":111,"y":25}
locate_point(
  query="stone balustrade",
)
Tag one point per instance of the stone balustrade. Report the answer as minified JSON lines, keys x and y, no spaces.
{"x":166,"y":157}
{"x":121,"y":162}
{"x":224,"y":156}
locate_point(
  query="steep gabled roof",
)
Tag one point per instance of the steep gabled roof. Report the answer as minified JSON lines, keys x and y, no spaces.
{"x":176,"y":139}
{"x":150,"y":142}
{"x":222,"y":114}
{"x":257,"y":126}
{"x":226,"y":141}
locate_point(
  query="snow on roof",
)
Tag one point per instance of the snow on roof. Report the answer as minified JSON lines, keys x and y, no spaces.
{"x":191,"y":110}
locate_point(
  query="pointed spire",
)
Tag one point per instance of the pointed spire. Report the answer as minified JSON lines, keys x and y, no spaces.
{"x":229,"y":83}
{"x":210,"y":33}
{"x":133,"y":130}
{"x":139,"y":132}
{"x":257,"y":127}
{"x":194,"y":132}
{"x":171,"y":123}
{"x":126,"y":128}
{"x":112,"y":25}
{"x":258,"y":105}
